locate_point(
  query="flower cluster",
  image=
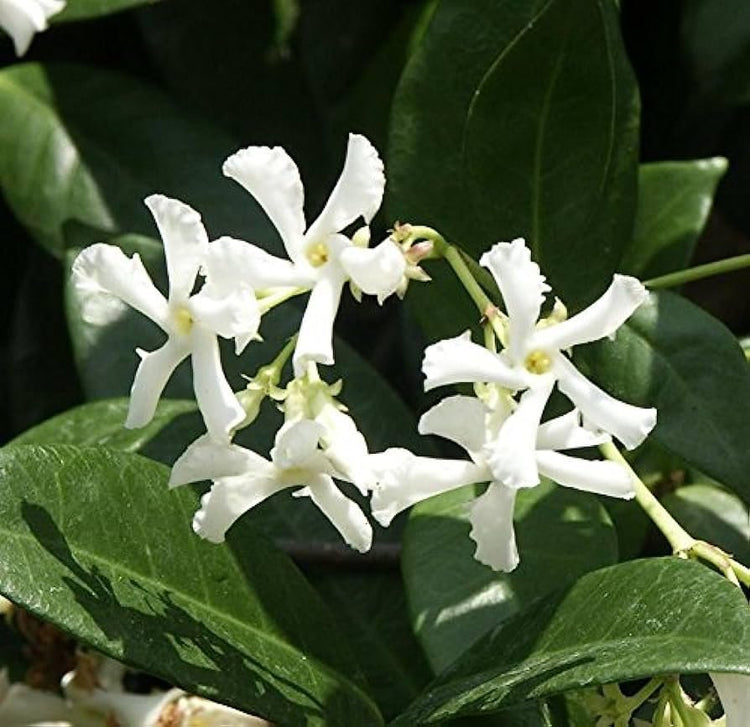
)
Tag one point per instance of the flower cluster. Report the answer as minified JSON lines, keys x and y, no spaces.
{"x":223,"y":287}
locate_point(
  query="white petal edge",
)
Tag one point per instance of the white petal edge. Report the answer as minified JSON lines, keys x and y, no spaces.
{"x":358,"y":191}
{"x":566,"y":432}
{"x":296,"y":444}
{"x":522,"y":286}
{"x":405,"y":479}
{"x":598,"y":476}
{"x":150,"y":379}
{"x":344,"y":514}
{"x":21,"y":19}
{"x":630,"y":424}
{"x":734,"y":693}
{"x":272,"y":178}
{"x":458,"y":418}
{"x":460,"y":360}
{"x":602,"y":318}
{"x":492,"y":529}
{"x":229,"y":313}
{"x":185,"y":243}
{"x":376,"y":271}
{"x":106,"y":269}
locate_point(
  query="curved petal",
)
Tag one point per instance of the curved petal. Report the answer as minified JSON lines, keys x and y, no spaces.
{"x":459,"y":360}
{"x":210,"y":459}
{"x":522,"y":286}
{"x":734,"y":693}
{"x":296,"y":444}
{"x":602,"y":318}
{"x":234,"y":314}
{"x":219,"y":406}
{"x":21,"y":704}
{"x":630,"y":424}
{"x":272,"y":177}
{"x":229,"y":498}
{"x":185,"y":243}
{"x":345,"y":515}
{"x":598,"y":476}
{"x":460,"y":419}
{"x":103,"y":268}
{"x":230,"y":262}
{"x":376,"y":271}
{"x":315,"y":338}
{"x":566,"y":432}
{"x":21,"y":19}
{"x":358,"y":192}
{"x":405,"y":479}
{"x":492,"y":530}
{"x":511,"y":456}
{"x":150,"y":379}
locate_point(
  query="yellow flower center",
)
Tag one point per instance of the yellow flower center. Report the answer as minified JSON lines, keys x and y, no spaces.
{"x":317,"y":254}
{"x":538,"y":362}
{"x":183,"y":320}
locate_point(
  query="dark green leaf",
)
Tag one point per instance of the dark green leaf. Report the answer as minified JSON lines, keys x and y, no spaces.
{"x":116,"y":564}
{"x":454,"y":599}
{"x":82,"y":9}
{"x":674,"y":200}
{"x":537,"y":136}
{"x":676,"y":357}
{"x":627,"y":621}
{"x":85,"y":145}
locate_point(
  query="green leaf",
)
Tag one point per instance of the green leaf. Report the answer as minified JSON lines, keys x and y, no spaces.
{"x":93,"y":541}
{"x":672,"y":355}
{"x":537,"y":137}
{"x":83,"y":9}
{"x":628,"y":621}
{"x":85,"y":145}
{"x":714,"y":515}
{"x":454,"y":599}
{"x":674,"y":201}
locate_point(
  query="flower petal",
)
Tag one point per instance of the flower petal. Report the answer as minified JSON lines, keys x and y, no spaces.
{"x":103,"y":268}
{"x":22,"y":18}
{"x":459,"y":360}
{"x":315,"y":338}
{"x":734,"y":693}
{"x":522,"y":286}
{"x":230,"y":497}
{"x":272,"y":177}
{"x":185,"y":243}
{"x":358,"y":192}
{"x":602,"y":318}
{"x":376,"y":271}
{"x":233,"y":314}
{"x":492,"y":530}
{"x":511,"y":455}
{"x":600,"y":477}
{"x":630,"y":424}
{"x":296,"y":444}
{"x":345,"y":515}
{"x":566,"y":432}
{"x":150,"y":379}
{"x":207,"y":458}
{"x":405,"y":479}
{"x":219,"y":406}
{"x":458,"y":418}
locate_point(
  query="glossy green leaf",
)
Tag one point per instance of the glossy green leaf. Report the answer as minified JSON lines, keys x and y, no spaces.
{"x":530,"y":129}
{"x":674,"y":201}
{"x":116,"y":563}
{"x":672,"y":355}
{"x":85,"y":145}
{"x":83,"y":9}
{"x":454,"y":599}
{"x":628,"y":621}
{"x":714,"y":515}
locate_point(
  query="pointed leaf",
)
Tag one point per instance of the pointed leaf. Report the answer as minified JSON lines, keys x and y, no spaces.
{"x":83,"y":9}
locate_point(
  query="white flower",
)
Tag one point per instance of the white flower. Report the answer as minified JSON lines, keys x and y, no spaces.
{"x":533,"y":359}
{"x":405,"y":479}
{"x":224,"y":306}
{"x":311,"y":449}
{"x":22,"y":18}
{"x":320,"y":256}
{"x":734,"y":693}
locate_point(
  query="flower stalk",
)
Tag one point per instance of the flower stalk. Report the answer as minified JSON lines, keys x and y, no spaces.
{"x":719,"y":267}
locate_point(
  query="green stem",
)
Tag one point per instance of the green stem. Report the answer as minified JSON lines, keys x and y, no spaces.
{"x":644,"y":693}
{"x":681,"y":541}
{"x":677,"y":702}
{"x":699,"y":271}
{"x":277,"y":297}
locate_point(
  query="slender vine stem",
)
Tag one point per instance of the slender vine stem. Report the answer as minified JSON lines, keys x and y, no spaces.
{"x":698,"y":272}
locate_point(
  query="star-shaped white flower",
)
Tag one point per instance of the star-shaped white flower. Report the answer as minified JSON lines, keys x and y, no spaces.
{"x":308,"y":453}
{"x":21,"y":19}
{"x":225,"y":305}
{"x":405,"y":479}
{"x":320,"y":256}
{"x":533,"y":359}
